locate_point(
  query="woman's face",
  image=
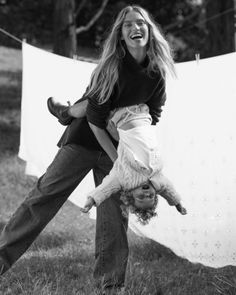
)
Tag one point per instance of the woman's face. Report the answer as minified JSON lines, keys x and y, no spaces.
{"x":135,"y":31}
{"x":144,"y":196}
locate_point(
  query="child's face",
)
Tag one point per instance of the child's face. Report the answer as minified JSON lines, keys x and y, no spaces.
{"x":144,"y":196}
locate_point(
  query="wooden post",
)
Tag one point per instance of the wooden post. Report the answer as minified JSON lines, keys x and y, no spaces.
{"x":220,"y":26}
{"x":65,"y":42}
{"x":234,"y":25}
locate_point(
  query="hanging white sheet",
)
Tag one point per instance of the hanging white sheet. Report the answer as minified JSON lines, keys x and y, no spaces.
{"x":198,"y":144}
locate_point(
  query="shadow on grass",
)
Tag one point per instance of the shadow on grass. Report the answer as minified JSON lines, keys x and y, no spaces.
{"x":10,"y":98}
{"x":10,"y":90}
{"x":10,"y":138}
{"x":10,"y":101}
{"x":12,"y":75}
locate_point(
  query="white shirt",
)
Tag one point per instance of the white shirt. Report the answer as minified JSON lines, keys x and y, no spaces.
{"x":138,"y":161}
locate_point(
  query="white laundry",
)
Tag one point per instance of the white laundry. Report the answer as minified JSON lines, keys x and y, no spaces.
{"x":198,"y":143}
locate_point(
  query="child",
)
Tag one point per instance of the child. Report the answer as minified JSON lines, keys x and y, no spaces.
{"x":138,"y":169}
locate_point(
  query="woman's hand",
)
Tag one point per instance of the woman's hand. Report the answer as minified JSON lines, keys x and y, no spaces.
{"x":88,"y":205}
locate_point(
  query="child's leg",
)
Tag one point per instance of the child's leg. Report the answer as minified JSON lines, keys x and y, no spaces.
{"x":78,"y":110}
{"x":64,"y":113}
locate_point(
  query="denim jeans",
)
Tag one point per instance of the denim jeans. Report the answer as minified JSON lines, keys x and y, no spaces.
{"x":67,"y":170}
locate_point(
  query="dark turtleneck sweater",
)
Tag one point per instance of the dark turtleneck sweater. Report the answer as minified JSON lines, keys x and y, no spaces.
{"x":134,"y":86}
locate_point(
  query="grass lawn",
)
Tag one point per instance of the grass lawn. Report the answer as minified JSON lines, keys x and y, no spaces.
{"x":61,"y":259}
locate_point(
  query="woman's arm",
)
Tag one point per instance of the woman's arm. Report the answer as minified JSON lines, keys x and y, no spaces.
{"x":105,"y":141}
{"x":157,"y":101}
{"x":111,"y":128}
{"x":97,"y":115}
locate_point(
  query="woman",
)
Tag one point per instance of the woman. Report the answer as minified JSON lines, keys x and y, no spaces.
{"x":135,"y":49}
{"x":134,"y":52}
{"x":132,"y":70}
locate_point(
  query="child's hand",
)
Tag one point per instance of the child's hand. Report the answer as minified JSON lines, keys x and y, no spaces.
{"x":181,"y":209}
{"x":88,"y":205}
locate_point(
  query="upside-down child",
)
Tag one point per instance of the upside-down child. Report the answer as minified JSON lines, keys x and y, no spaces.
{"x":137,"y":171}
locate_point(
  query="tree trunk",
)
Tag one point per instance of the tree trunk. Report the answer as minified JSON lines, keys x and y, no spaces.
{"x":220,"y":27}
{"x":64,"y":28}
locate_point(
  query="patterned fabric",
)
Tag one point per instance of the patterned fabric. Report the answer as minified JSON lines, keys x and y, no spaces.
{"x":197,"y":140}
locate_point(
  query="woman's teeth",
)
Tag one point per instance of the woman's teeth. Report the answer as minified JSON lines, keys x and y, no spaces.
{"x":146,"y":186}
{"x":136,"y":36}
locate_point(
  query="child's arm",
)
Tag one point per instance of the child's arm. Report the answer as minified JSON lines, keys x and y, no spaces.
{"x":166,"y":189}
{"x":109,"y":186}
{"x":157,"y":101}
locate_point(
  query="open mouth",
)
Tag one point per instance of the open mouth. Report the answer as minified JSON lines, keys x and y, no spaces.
{"x":145,"y":186}
{"x":136,"y":36}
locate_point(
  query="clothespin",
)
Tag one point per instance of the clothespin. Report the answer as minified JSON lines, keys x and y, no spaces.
{"x":197,"y":57}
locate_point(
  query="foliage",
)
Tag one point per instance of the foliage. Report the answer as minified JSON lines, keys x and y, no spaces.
{"x":34,"y":21}
{"x":184,"y":23}
{"x":169,"y":14}
{"x":26,"y":19}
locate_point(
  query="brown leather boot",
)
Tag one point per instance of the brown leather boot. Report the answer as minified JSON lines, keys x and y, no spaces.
{"x":60,"y":111}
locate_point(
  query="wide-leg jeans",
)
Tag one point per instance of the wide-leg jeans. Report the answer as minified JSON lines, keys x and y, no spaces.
{"x":67,"y":170}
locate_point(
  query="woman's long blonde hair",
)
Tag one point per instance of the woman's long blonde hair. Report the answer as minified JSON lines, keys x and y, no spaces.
{"x":105,"y":75}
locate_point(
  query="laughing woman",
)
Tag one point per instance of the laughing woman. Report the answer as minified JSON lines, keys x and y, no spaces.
{"x":135,"y":60}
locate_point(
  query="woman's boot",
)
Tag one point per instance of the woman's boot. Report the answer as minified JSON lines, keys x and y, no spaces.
{"x":60,"y":111}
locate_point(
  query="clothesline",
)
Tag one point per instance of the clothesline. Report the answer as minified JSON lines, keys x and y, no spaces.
{"x":205,"y":20}
{"x":11,"y":36}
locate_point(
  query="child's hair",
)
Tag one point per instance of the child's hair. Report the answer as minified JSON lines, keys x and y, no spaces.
{"x":105,"y":75}
{"x":144,"y":215}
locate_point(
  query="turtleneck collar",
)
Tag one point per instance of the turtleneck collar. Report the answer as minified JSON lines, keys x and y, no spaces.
{"x":131,"y":62}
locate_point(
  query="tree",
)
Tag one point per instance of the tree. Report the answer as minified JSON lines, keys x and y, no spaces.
{"x":220,"y":27}
{"x":65,"y":30}
{"x":92,"y":21}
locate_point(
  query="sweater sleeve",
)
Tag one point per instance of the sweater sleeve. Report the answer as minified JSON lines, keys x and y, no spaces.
{"x":84,"y":97}
{"x":165,"y":189}
{"x":97,"y":114}
{"x":157,"y":101}
{"x":109,"y":186}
